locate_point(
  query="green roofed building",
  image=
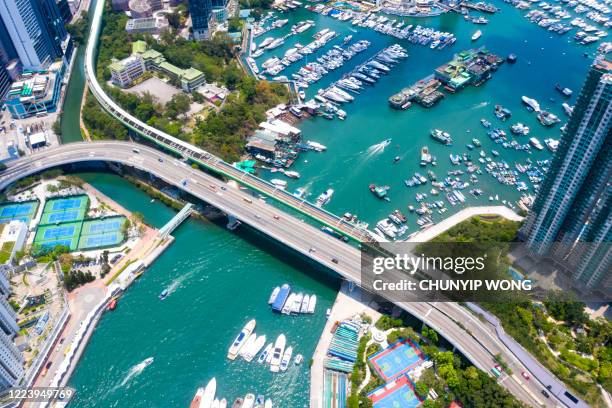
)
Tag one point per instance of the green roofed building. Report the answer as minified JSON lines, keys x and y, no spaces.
{"x":139,"y":47}
{"x":189,"y":79}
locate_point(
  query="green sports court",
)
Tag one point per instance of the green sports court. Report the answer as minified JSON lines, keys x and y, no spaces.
{"x":68,"y":209}
{"x":63,"y":222}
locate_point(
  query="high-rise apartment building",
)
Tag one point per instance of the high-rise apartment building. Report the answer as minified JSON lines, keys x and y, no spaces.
{"x":571,"y":219}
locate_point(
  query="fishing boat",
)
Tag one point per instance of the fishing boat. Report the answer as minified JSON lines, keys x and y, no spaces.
{"x":425,"y":156}
{"x":264,"y":354}
{"x":485,"y":123}
{"x":536,"y":143}
{"x":286,"y":358}
{"x":305,"y":302}
{"x":288,"y":304}
{"x":237,"y":403}
{"x":273,"y":295}
{"x":441,"y":136}
{"x":324,"y":198}
{"x":197,"y":398}
{"x":312,"y":304}
{"x":209,"y":394}
{"x":241,"y":339}
{"x":249,"y":401}
{"x":277,"y":353}
{"x":292,"y":174}
{"x":259,"y":401}
{"x":379,"y":191}
{"x":298,"y":359}
{"x":281,"y":298}
{"x":248,"y":344}
{"x":279,"y":183}
{"x":567,"y":108}
{"x":476,"y":142}
{"x":531,"y":103}
{"x":564,"y":91}
{"x":297,"y":303}
{"x":477,"y":34}
{"x":163,"y":294}
{"x":255,"y":348}
{"x":552,"y":144}
{"x":548,"y":119}
{"x":396,"y":159}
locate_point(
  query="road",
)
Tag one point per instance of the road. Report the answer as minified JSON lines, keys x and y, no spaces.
{"x":292,"y":232}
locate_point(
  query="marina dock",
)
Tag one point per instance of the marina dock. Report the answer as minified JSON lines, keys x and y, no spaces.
{"x":348,"y":304}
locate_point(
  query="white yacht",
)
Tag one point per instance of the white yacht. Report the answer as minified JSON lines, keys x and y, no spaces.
{"x":277,"y":353}
{"x":255,"y":348}
{"x":286,"y":359}
{"x":264,"y":354}
{"x":273,"y":295}
{"x":312,"y":304}
{"x":304,"y":306}
{"x":241,"y":339}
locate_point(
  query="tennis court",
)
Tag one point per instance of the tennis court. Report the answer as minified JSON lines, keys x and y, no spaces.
{"x":18,"y":211}
{"x":397,"y":359}
{"x":67,"y":209}
{"x":61,"y":234}
{"x":99,"y":233}
{"x":396,"y":394}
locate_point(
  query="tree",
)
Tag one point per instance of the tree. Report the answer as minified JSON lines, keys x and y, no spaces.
{"x":421,"y":389}
{"x":430,"y":334}
{"x":178,"y":105}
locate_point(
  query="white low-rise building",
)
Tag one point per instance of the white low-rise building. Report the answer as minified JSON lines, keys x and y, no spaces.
{"x":125,"y":71}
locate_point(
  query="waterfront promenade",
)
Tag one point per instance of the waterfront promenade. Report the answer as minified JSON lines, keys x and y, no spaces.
{"x":463,"y":215}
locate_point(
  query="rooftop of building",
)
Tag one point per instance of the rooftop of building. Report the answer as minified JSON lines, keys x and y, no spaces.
{"x":121,"y":64}
{"x":139,"y":47}
{"x":146,"y":23}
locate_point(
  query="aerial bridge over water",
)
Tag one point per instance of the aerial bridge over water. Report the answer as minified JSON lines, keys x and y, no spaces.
{"x":476,"y":340}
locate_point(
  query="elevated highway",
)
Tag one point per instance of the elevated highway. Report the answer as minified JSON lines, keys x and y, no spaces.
{"x":471,"y":337}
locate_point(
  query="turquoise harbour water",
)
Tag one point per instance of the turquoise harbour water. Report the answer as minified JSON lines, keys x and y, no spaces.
{"x":544,"y":59}
{"x":220,"y":280}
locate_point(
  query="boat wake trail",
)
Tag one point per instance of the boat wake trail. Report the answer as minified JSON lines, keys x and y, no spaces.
{"x":481,"y":105}
{"x":377,"y":148}
{"x":136,"y":370}
{"x":176,"y":283}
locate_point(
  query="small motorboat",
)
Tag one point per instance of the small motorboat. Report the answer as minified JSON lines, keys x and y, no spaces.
{"x":163,"y":295}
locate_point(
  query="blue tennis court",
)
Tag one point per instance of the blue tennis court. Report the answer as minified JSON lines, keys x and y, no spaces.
{"x":102,"y":240}
{"x":66,"y":204}
{"x":104,"y":226}
{"x":17,"y":210}
{"x":63,"y":216}
{"x":397,"y":359}
{"x":58,"y":232}
{"x":396,"y":394}
{"x":65,"y":242}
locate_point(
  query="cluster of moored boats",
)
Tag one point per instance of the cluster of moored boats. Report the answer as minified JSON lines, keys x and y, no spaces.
{"x":275,"y":65}
{"x":393,"y":27}
{"x":562,"y":18}
{"x":248,"y":345}
{"x":205,"y":398}
{"x":366,"y":73}
{"x":284,"y":301}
